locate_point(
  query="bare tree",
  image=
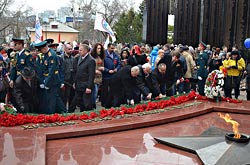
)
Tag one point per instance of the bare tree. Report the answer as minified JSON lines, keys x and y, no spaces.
{"x":4,"y":4}
{"x":112,"y":9}
{"x":86,"y":9}
{"x":15,"y":23}
{"x":82,"y":15}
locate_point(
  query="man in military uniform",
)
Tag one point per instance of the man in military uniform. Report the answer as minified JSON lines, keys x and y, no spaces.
{"x":51,"y":79}
{"x":54,"y":46}
{"x":202,"y":71}
{"x":20,"y":59}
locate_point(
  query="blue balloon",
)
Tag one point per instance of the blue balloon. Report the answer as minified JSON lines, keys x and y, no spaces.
{"x":247,"y":43}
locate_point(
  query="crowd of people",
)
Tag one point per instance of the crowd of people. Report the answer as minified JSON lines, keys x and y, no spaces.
{"x":43,"y":78}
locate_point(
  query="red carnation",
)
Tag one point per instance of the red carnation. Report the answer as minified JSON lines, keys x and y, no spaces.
{"x":115,"y":61}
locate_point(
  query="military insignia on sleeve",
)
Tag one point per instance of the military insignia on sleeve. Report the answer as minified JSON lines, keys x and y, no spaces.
{"x":22,"y":61}
{"x":49,"y":54}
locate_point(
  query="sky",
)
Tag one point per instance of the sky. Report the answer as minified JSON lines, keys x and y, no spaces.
{"x":41,"y":5}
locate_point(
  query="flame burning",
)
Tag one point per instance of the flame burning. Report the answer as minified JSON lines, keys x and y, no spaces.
{"x":235,"y":124}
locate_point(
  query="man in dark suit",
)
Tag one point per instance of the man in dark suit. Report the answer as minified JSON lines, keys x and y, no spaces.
{"x":25,"y":90}
{"x":159,"y":79}
{"x":170,"y":71}
{"x":122,"y":85}
{"x":83,"y":76}
{"x":143,"y":83}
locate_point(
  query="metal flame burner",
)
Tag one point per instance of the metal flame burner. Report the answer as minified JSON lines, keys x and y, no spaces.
{"x":214,"y":146}
{"x":243,"y":138}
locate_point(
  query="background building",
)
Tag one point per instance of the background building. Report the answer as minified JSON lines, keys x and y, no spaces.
{"x":57,"y":31}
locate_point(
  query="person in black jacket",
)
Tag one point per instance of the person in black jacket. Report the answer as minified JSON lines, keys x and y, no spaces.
{"x":167,"y":59}
{"x":25,"y":91}
{"x":172,"y":62}
{"x":136,"y":57}
{"x":247,"y":73}
{"x":143,"y":83}
{"x":67,"y":92}
{"x":215,"y":62}
{"x":83,"y":75}
{"x":122,"y":85}
{"x":159,"y":80}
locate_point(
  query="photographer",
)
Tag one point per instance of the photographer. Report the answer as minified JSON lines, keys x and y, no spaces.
{"x":235,"y":66}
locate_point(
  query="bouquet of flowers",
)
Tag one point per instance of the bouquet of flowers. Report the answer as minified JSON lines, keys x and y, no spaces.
{"x":214,"y":84}
{"x":7,"y":108}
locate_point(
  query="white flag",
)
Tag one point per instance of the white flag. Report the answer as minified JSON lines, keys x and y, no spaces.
{"x":38,"y":31}
{"x":102,"y":25}
{"x":106,"y":43}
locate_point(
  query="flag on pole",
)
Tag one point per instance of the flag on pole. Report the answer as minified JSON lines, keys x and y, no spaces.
{"x":106,"y":42}
{"x":59,"y":37}
{"x":102,"y":25}
{"x":38,"y":31}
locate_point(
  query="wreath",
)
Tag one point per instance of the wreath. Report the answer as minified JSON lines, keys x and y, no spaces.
{"x":7,"y":108}
{"x":214,"y":84}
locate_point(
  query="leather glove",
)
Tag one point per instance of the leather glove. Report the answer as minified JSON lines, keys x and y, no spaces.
{"x":234,"y":67}
{"x":199,"y":78}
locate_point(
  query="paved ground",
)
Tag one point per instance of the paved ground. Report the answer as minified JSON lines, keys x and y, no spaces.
{"x":109,"y":142}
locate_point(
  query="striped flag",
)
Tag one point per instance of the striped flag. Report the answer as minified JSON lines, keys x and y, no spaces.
{"x":38,"y":31}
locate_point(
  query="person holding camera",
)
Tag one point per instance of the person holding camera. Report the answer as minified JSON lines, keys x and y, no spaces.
{"x":235,"y":67}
